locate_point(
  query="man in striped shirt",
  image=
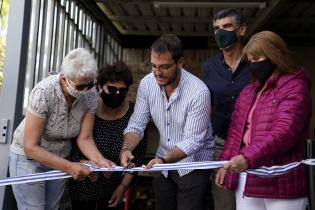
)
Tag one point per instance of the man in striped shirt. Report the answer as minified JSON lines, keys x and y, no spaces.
{"x":179,"y":105}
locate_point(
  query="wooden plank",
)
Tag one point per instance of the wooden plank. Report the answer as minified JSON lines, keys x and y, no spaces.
{"x":189,"y":12}
{"x":200,"y":27}
{"x":204,"y":12}
{"x":130,"y":9}
{"x":295,"y":20}
{"x":159,"y":19}
{"x":299,"y":9}
{"x":260,"y":20}
{"x":158,"y":33}
{"x":145,"y":9}
{"x":188,"y":27}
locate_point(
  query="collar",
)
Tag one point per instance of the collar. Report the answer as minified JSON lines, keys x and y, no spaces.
{"x":179,"y":87}
{"x":58,"y":86}
{"x":221,"y":55}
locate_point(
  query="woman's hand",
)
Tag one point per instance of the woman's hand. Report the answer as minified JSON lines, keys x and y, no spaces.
{"x":94,"y":175}
{"x":104,"y":163}
{"x":117,"y":196}
{"x":236,"y":164}
{"x":220,"y":177}
{"x":78,"y":171}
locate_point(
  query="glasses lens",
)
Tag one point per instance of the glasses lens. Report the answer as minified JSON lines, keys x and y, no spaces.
{"x":83,"y":86}
{"x":90,"y":85}
{"x":163,"y":67}
{"x":123,"y":91}
{"x":113,"y":90}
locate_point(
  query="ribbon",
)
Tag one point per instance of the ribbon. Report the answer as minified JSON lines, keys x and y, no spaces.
{"x":55,"y":174}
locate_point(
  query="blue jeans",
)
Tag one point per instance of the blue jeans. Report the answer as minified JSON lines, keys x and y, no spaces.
{"x":44,"y":195}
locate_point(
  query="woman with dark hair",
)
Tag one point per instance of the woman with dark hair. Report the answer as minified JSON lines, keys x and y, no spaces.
{"x":269,"y":127}
{"x":112,"y":117}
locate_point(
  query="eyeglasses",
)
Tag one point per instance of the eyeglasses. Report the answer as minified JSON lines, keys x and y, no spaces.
{"x":163,"y":67}
{"x":82,"y":87}
{"x":115,"y":90}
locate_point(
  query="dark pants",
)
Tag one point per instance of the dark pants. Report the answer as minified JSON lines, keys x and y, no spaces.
{"x":182,"y":193}
{"x":223,"y":199}
{"x":91,"y":205}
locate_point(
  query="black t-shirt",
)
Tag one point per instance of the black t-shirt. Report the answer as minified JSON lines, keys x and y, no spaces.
{"x":225,"y":87}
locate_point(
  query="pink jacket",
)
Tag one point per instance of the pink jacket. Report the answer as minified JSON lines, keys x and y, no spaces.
{"x":279,"y":129}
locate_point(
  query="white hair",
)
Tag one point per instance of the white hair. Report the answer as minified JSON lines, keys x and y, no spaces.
{"x":79,"y":63}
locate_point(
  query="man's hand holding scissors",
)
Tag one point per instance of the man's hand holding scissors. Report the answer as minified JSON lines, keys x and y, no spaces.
{"x":126,"y":158}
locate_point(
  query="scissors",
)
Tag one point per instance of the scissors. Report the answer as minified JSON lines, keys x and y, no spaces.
{"x":130,"y":164}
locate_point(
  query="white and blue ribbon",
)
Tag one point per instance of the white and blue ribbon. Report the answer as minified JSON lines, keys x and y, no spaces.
{"x":55,"y":174}
{"x":278,"y":170}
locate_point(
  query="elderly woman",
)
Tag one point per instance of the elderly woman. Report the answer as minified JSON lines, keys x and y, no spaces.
{"x":269,"y":127}
{"x":60,"y":107}
{"x":112,"y":116}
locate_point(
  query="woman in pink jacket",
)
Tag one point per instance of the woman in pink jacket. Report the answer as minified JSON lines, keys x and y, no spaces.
{"x":269,"y":127}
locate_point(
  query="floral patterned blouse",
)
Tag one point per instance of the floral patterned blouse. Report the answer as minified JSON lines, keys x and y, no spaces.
{"x":48,"y":102}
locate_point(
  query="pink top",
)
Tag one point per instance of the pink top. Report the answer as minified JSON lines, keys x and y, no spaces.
{"x":248,"y":125}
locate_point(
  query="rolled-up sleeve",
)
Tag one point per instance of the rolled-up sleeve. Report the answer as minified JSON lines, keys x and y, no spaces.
{"x":196,"y":129}
{"x":141,"y":114}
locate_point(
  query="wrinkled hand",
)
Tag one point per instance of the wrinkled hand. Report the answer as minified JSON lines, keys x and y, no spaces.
{"x":153,"y":162}
{"x":78,"y":171}
{"x":126,"y":159}
{"x":236,"y":164}
{"x":94,"y":175}
{"x":220,"y":177}
{"x":103,"y":163}
{"x":117,"y":197}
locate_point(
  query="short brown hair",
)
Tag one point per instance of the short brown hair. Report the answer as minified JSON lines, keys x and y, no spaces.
{"x":273,"y":47}
{"x":168,"y":43}
{"x":119,"y":71}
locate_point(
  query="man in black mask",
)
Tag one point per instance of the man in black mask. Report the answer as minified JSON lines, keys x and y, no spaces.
{"x":225,"y":76}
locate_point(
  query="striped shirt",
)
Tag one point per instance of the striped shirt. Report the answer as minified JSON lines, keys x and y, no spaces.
{"x":183,"y":120}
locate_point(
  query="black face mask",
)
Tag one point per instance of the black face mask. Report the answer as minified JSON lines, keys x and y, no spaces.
{"x":262,"y":70}
{"x":112,"y":100}
{"x":225,"y":38}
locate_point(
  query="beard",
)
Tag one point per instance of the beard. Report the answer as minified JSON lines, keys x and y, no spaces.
{"x":169,"y":80}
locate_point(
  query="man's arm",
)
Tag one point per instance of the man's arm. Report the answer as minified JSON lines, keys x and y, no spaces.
{"x":196,"y":130}
{"x":136,"y":126}
{"x":131,"y":140}
{"x":172,"y":156}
